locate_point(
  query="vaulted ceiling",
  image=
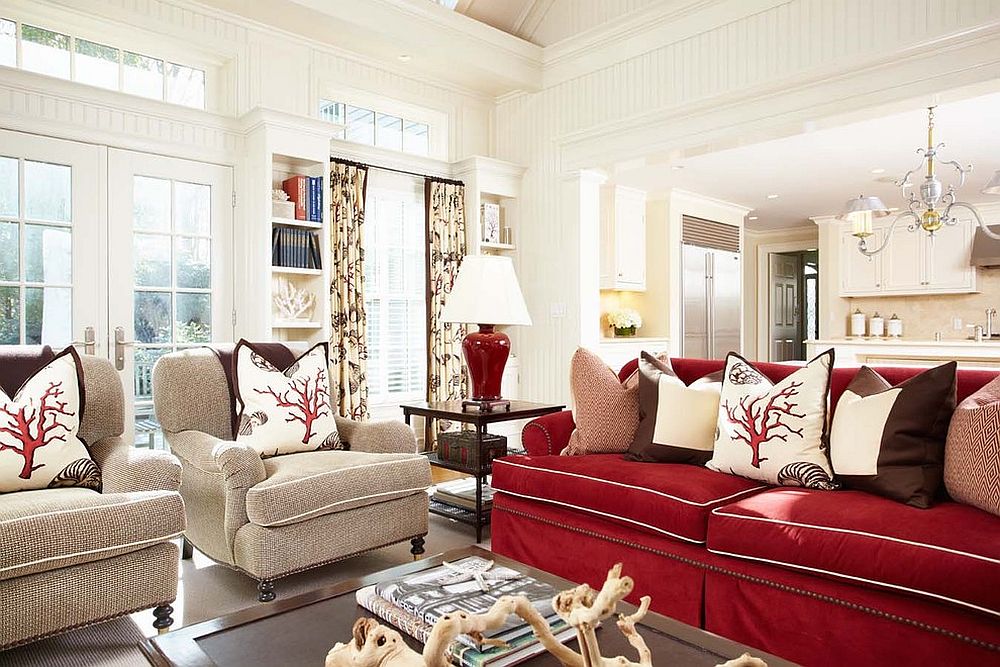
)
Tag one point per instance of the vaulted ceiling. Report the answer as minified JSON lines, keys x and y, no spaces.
{"x":545,"y":22}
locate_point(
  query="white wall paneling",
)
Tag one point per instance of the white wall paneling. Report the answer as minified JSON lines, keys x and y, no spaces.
{"x":710,"y":76}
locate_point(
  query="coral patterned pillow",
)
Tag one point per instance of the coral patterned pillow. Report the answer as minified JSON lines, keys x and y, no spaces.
{"x":972,"y":451}
{"x":39,"y":445}
{"x":606,"y":411}
{"x":775,"y":433}
{"x":283,"y":411}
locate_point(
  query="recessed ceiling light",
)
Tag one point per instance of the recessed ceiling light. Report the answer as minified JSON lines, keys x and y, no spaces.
{"x":893,"y":208}
{"x":404,"y":57}
{"x":676,"y":167}
{"x":878,"y":170}
{"x":773,"y":196}
{"x":751,"y":217}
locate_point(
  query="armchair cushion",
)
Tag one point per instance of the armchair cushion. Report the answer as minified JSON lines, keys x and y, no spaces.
{"x":310,"y":484}
{"x":54,"y":528}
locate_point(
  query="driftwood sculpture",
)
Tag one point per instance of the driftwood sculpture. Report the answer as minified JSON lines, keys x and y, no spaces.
{"x":583,"y":608}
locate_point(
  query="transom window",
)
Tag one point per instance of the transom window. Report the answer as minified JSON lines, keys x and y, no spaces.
{"x":36,"y":49}
{"x":36,"y":252}
{"x":374,"y":128}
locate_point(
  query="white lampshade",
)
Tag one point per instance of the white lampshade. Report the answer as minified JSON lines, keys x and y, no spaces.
{"x":865,"y":204}
{"x":993,"y":187}
{"x":486,"y":291}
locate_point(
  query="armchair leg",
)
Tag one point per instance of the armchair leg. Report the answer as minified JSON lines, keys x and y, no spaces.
{"x":187,"y":550}
{"x":163,"y":618}
{"x":417,"y":547}
{"x":265,"y":590}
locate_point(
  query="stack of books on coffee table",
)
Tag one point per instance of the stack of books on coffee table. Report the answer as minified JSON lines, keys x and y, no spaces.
{"x":416,"y":602}
{"x":462,"y":493}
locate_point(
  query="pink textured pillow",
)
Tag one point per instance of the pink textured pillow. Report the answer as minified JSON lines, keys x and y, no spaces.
{"x":972,"y":451}
{"x":606,"y":411}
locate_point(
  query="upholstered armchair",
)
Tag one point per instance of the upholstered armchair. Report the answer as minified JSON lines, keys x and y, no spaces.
{"x":71,"y":556}
{"x":272,"y":517}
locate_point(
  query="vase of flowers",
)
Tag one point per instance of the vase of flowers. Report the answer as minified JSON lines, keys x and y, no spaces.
{"x":624,"y":322}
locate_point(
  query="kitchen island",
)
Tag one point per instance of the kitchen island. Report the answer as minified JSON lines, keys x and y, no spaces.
{"x":908,"y":352}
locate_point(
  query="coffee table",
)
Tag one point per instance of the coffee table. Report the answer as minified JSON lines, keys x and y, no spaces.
{"x":301,"y":630}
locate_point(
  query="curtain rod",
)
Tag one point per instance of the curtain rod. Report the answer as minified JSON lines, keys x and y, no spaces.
{"x":398,"y":171}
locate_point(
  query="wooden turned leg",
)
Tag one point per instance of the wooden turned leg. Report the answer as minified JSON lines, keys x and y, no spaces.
{"x":163,"y":618}
{"x":187,"y":550}
{"x":265,"y":590}
{"x":417,"y":547}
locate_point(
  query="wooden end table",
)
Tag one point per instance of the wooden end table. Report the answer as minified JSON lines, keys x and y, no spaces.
{"x":452,"y":411}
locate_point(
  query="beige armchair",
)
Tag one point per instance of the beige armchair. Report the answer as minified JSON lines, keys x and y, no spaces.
{"x":269,"y":518}
{"x":72,"y":557}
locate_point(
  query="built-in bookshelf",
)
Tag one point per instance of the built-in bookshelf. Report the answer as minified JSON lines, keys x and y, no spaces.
{"x":290,"y":244}
{"x":490,"y":182}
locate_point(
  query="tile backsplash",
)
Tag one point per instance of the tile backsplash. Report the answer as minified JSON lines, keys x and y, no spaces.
{"x":923,"y":316}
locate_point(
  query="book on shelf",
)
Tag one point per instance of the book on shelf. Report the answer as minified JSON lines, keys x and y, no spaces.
{"x":296,"y":187}
{"x":295,"y":248}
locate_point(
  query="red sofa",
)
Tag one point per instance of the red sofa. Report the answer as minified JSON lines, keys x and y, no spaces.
{"x":818,"y":577}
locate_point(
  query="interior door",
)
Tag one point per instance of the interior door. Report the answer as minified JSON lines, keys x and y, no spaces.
{"x":784,"y":307}
{"x":50,"y":213}
{"x":170,"y":267}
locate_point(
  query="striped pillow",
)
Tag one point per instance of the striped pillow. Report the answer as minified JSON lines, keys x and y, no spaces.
{"x":605,"y":410}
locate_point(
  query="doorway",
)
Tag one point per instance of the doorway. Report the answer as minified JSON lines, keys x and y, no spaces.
{"x":124,"y":255}
{"x":793,"y":296}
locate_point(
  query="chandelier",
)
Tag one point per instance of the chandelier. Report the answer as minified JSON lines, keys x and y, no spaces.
{"x":930,"y":209}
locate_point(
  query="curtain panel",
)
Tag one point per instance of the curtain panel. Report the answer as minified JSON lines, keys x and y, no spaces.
{"x":447,"y":377}
{"x":348,"y":342}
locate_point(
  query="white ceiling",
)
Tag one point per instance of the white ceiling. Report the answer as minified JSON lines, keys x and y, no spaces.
{"x":815,"y":173}
{"x":545,"y":22}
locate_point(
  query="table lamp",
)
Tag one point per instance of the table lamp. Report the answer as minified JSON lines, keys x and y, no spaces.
{"x":486,"y":292}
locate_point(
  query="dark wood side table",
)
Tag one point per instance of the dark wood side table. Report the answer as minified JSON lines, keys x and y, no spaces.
{"x":452,"y":411}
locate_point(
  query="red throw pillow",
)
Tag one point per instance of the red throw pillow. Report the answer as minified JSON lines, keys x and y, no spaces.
{"x":972,"y":450}
{"x":605,"y":410}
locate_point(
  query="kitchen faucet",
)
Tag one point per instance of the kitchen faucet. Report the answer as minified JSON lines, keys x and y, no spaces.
{"x":990,"y":314}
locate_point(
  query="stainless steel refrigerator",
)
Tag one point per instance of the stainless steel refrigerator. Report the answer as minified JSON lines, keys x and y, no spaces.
{"x":712,"y":314}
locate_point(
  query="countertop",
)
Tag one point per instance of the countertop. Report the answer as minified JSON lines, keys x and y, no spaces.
{"x":908,"y":342}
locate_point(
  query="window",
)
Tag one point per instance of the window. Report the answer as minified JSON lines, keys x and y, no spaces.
{"x":374,"y":128}
{"x":395,"y":288}
{"x":36,"y":279}
{"x":64,"y":56}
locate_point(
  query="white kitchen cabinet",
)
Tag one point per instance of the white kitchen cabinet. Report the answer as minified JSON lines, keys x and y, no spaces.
{"x":623,"y":238}
{"x":859,"y":274}
{"x":913,"y":263}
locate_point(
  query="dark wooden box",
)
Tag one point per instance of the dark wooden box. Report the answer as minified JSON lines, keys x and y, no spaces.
{"x":461,"y":447}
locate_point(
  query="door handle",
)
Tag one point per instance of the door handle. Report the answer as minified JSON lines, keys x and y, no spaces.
{"x":120,"y":345}
{"x":89,"y":341}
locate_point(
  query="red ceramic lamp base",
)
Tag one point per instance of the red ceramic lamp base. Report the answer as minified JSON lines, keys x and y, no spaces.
{"x":486,"y":353}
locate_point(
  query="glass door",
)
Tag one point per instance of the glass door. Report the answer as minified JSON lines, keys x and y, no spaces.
{"x":50,"y":211}
{"x":170,"y":268}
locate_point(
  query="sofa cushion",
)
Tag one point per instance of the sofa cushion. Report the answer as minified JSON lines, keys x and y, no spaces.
{"x":972,"y":450}
{"x":606,"y":410}
{"x":949,"y":553}
{"x":53,"y":528}
{"x":309,"y":484}
{"x":671,"y":499}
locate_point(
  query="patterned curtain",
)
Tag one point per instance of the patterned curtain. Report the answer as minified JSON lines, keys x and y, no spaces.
{"x":447,"y":377}
{"x":348,"y":344}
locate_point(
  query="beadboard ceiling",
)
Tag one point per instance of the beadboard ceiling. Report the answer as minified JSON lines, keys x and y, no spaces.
{"x":817,"y":170}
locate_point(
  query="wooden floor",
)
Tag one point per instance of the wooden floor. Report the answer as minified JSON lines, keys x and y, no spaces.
{"x":439,"y":475}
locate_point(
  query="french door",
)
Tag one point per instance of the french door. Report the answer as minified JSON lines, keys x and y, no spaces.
{"x":125,"y":255}
{"x":50,"y":249}
{"x":169,"y":267}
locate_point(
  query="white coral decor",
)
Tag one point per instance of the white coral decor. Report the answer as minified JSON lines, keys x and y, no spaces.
{"x":624,"y":319}
{"x":292,"y":304}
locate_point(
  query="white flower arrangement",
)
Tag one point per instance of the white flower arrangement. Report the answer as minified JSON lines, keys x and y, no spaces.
{"x":624,"y":319}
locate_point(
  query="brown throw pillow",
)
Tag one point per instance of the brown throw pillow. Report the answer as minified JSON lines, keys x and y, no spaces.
{"x":972,"y":450}
{"x":606,"y":411}
{"x":890,"y":440}
{"x":676,"y":421}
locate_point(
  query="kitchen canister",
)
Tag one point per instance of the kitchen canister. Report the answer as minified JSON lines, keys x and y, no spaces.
{"x":857,"y":323}
{"x":876,"y":326}
{"x":895,"y":326}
